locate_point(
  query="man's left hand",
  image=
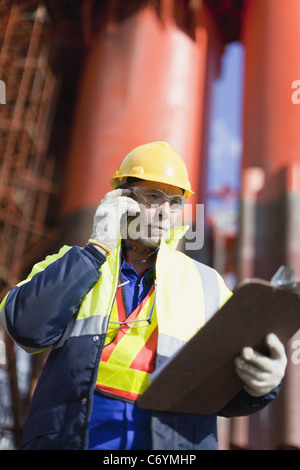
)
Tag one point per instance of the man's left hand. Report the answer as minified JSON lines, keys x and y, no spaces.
{"x":261,"y":373}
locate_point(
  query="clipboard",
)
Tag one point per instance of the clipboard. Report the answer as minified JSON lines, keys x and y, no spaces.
{"x":200,"y":378}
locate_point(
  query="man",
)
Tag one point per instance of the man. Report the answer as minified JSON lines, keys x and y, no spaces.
{"x":115,"y":310}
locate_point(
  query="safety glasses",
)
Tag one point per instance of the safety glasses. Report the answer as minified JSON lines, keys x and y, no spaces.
{"x":151,"y":197}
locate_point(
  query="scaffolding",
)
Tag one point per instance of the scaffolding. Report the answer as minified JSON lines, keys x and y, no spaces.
{"x":27,"y":172}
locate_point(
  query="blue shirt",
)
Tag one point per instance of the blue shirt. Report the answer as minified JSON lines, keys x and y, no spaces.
{"x":136,"y":285}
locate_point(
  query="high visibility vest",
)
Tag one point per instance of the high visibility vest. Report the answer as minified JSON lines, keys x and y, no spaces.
{"x":129,"y":354}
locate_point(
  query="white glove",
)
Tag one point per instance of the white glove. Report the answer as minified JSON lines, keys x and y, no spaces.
{"x":111,"y":216}
{"x":260,"y":373}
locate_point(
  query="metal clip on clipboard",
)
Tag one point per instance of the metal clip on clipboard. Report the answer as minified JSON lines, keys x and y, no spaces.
{"x":285,"y":278}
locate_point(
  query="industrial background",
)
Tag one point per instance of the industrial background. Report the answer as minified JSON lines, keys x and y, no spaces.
{"x":88,"y":80}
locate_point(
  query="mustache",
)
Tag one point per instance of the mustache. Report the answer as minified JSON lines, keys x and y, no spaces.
{"x":162,"y":226}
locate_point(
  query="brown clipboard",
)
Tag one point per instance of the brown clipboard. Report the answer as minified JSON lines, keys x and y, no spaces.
{"x":201,"y":379}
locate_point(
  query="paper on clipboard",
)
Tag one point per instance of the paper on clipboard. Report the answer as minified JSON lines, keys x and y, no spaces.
{"x":201,"y":378}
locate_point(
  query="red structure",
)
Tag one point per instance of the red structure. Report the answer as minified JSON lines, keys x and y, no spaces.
{"x":146,"y":73}
{"x":146,"y":78}
{"x":270,"y":198}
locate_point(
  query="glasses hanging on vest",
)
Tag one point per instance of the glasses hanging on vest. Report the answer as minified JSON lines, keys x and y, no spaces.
{"x":138,"y":323}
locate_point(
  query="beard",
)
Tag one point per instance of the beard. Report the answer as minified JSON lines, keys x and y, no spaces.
{"x":152,"y":236}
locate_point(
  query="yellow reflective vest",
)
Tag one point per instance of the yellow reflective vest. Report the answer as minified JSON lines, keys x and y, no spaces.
{"x":120,"y":372}
{"x":129,"y":353}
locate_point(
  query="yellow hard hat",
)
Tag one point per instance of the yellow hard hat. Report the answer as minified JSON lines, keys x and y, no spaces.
{"x":157,"y":162}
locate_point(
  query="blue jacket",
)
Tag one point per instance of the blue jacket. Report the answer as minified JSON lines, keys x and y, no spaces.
{"x":37,"y":314}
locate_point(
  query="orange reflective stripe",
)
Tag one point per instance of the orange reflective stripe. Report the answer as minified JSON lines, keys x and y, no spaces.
{"x":145,"y":359}
{"x":119,"y":393}
{"x":108,"y":349}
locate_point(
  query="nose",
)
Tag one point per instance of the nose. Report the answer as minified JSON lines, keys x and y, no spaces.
{"x":164,"y":208}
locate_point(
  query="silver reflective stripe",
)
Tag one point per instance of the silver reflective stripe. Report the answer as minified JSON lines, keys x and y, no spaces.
{"x":94,"y":325}
{"x":210,"y":288}
{"x":167,"y":345}
{"x":30,"y":350}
